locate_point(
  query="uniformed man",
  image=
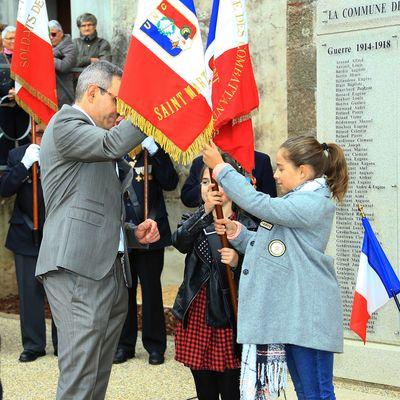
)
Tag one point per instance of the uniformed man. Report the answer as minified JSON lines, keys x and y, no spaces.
{"x":147,"y":265}
{"x":18,"y":180}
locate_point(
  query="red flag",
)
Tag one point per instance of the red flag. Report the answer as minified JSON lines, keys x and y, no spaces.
{"x":234,"y":90}
{"x":32,"y":64}
{"x":164,"y":89}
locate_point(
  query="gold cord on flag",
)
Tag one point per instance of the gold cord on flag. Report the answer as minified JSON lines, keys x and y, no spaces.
{"x":177,"y":154}
{"x":34,"y":93}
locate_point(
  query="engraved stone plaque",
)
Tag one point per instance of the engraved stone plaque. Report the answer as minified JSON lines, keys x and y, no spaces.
{"x":358,"y":107}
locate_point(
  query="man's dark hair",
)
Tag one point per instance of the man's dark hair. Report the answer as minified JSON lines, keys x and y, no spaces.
{"x":86,"y":17}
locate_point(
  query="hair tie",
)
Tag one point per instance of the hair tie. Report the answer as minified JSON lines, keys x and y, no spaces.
{"x":325,"y":147}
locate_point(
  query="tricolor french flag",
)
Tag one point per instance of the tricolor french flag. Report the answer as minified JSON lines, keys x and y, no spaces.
{"x":32,"y":64}
{"x":164,"y":89}
{"x":376,"y":282}
{"x":234,"y":90}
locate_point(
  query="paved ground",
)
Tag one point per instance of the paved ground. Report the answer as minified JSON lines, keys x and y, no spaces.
{"x":134,"y":380}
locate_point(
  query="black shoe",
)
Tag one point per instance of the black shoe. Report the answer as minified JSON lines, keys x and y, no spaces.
{"x":30,"y":355}
{"x":122,"y":355}
{"x":156,"y":358}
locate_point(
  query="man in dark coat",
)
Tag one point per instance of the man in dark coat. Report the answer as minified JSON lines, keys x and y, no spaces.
{"x":18,"y":180}
{"x":90,"y":47}
{"x":147,"y":265}
{"x":64,"y":53}
{"x":262,"y":172}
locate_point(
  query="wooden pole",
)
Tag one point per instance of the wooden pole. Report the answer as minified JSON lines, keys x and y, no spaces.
{"x":35,"y":202}
{"x":225,"y":243}
{"x":146,"y":184}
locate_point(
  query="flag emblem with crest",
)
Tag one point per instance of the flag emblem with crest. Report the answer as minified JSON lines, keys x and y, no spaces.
{"x":169,"y":28}
{"x":165,"y":89}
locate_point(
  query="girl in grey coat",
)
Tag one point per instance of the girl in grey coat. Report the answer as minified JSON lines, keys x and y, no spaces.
{"x":288,"y":291}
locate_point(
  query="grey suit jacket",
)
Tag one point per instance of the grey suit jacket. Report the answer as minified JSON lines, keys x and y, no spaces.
{"x":288,"y":287}
{"x":82,"y":193}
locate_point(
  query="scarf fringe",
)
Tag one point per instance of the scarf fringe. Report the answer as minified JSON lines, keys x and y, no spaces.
{"x":34,"y":92}
{"x":274,"y":375}
{"x":179,"y":155}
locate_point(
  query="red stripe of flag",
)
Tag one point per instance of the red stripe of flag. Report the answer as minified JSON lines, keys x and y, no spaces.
{"x":359,"y":316}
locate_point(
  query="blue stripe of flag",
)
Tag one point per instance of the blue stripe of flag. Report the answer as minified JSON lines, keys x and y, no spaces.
{"x":190,"y":5}
{"x":213,"y":22}
{"x":378,"y":261}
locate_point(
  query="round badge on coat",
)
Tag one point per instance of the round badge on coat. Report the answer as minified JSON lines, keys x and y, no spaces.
{"x":276,"y":248}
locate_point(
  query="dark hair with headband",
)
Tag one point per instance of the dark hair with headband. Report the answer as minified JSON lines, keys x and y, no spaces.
{"x":325,"y":159}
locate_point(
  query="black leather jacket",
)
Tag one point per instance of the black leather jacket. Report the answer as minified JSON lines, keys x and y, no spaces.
{"x":199,"y":272}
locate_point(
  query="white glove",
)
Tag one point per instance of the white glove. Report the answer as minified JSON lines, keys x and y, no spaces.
{"x":150,"y":145}
{"x":31,"y":155}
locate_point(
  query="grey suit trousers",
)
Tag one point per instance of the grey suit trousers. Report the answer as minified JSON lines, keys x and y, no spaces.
{"x":89,"y":315}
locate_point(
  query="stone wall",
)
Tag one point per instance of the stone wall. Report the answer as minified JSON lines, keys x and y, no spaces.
{"x":301,"y":68}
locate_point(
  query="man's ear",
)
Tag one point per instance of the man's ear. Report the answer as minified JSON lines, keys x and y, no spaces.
{"x":91,"y":93}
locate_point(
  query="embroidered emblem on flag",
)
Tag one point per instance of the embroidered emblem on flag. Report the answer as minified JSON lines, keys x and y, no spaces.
{"x":169,"y":29}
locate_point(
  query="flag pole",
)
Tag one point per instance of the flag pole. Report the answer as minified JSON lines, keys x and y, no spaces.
{"x":396,"y":300}
{"x":35,"y":202}
{"x":146,"y":183}
{"x":225,"y":243}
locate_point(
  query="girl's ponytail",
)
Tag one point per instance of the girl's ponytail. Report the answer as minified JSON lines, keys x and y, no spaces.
{"x":325,"y":159}
{"x":336,"y":171}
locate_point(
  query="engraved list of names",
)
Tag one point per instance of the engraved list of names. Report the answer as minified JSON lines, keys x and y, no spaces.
{"x":358,"y":108}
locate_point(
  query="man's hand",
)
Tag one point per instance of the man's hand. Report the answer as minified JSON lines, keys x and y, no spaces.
{"x":31,"y":155}
{"x":147,"y":232}
{"x":94,"y":59}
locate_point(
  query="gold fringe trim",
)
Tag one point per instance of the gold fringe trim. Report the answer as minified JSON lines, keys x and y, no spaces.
{"x":28,"y":110}
{"x":34,"y":92}
{"x":171,"y":148}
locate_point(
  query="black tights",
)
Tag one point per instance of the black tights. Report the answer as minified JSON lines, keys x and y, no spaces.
{"x":211,"y":384}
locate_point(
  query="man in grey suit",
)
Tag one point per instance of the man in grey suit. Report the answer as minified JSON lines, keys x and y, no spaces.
{"x":83,"y":261}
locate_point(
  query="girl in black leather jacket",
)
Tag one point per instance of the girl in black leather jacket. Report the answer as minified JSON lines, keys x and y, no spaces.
{"x":204,"y":337}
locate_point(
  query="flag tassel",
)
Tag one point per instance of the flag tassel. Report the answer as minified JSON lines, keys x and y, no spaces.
{"x":34,"y":92}
{"x":170,"y":147}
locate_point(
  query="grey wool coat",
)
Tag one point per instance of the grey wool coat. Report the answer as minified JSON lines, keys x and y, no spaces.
{"x":288,"y":288}
{"x":64,"y":60}
{"x":83,"y":194}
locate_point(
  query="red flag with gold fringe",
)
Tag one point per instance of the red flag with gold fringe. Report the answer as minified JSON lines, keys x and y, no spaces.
{"x":32,"y":64}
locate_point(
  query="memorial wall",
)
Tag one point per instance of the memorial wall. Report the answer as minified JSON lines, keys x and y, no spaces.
{"x":358,"y":59}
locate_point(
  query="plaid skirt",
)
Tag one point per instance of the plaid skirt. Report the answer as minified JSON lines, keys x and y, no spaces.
{"x":202,"y":347}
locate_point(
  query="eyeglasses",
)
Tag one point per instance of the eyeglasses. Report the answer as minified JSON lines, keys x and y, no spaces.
{"x":11,"y":39}
{"x":53,"y":34}
{"x":109,"y":93}
{"x":86,"y":25}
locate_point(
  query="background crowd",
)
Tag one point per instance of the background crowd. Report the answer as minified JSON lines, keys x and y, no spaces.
{"x":70,"y":56}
